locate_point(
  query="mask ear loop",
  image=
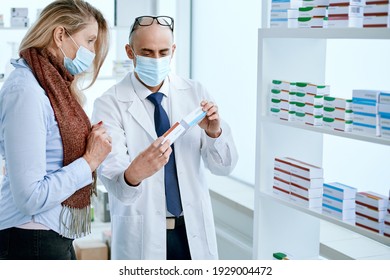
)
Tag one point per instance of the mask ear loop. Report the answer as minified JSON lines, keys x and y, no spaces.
{"x":62,"y":52}
{"x":72,"y":39}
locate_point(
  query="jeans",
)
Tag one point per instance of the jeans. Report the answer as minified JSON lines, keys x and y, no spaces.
{"x":27,"y":244}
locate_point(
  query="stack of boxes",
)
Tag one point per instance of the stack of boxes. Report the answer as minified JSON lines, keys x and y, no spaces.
{"x":371,"y":209}
{"x":337,"y":113}
{"x":345,"y":13}
{"x":19,"y":17}
{"x":386,"y":231}
{"x":312,"y":14}
{"x":384,"y":114}
{"x":282,"y":100}
{"x":330,"y":13}
{"x":339,"y":201}
{"x":309,"y":103}
{"x":284,"y":13}
{"x":298,"y":181}
{"x":376,"y":14}
{"x":365,"y":112}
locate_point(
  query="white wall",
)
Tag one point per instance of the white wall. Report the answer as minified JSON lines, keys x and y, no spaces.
{"x":224,"y":59}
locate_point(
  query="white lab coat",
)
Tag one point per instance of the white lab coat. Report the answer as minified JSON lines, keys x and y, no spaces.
{"x":138,"y":214}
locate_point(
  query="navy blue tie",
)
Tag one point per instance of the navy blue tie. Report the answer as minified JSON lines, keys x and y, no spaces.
{"x":161,"y":123}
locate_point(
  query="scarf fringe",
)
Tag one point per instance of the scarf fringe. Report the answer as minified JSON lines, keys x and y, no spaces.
{"x":75,"y":223}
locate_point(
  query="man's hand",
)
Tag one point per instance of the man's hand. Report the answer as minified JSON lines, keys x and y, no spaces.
{"x":211,"y":122}
{"x":148,"y":162}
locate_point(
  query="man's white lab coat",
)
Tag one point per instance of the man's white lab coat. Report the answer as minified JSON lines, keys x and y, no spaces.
{"x":138,"y":214}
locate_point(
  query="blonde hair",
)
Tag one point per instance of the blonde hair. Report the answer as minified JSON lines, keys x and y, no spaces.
{"x":73,"y":15}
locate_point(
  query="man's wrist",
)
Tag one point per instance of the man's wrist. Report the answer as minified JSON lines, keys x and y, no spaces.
{"x":130,"y":181}
{"x":214,"y":134}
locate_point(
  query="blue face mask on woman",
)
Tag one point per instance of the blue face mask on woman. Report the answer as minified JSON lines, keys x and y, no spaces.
{"x":152,"y":71}
{"x":81,"y":62}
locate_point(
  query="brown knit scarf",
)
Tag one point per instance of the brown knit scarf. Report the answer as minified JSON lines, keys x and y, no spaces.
{"x":74,"y":126}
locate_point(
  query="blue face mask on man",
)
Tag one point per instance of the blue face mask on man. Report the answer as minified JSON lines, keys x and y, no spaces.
{"x":81,"y":62}
{"x":152,"y":71}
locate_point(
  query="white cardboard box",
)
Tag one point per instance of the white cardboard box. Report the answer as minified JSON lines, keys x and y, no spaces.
{"x":305,"y":169}
{"x":340,"y":190}
{"x":372,"y":199}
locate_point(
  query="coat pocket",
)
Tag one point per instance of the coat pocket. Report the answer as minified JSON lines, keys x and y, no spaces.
{"x":127,"y":240}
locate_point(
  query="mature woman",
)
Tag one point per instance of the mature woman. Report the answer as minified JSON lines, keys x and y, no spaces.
{"x":49,"y":147}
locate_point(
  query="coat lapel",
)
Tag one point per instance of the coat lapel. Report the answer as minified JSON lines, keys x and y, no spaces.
{"x":126,"y":94}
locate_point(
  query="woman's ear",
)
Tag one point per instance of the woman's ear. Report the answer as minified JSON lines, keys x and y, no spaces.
{"x":58,"y":36}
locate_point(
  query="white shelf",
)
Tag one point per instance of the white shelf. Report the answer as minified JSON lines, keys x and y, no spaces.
{"x":364,"y":232}
{"x":319,"y":129}
{"x":326,"y":33}
{"x":280,"y":225}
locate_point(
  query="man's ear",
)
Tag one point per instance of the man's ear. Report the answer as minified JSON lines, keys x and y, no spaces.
{"x":173,"y":50}
{"x":58,"y":36}
{"x":129,"y":52}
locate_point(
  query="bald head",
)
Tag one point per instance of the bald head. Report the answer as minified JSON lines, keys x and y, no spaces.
{"x":141,"y":24}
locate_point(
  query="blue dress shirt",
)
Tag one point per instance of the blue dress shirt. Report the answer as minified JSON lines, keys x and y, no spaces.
{"x":35,"y":181}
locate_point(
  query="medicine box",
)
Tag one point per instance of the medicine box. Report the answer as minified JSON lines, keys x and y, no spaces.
{"x":314,"y":183}
{"x":276,"y":5}
{"x":384,"y":97}
{"x":281,"y":184}
{"x":314,"y":120}
{"x":384,"y":108}
{"x":282,"y":164}
{"x":376,"y":21}
{"x":280,"y":85}
{"x":365,"y":106}
{"x":304,"y":169}
{"x":369,"y":224}
{"x":305,"y":192}
{"x":386,"y":231}
{"x":282,"y":174}
{"x":337,"y":113}
{"x":376,"y":9}
{"x":337,"y":102}
{"x":341,"y":204}
{"x":365,"y":129}
{"x":315,"y":3}
{"x":315,"y":202}
{"x":366,"y":94}
{"x":366,"y":119}
{"x":343,"y":22}
{"x":370,"y":212}
{"x":281,"y":192}
{"x":279,"y":23}
{"x":279,"y":14}
{"x":347,"y":2}
{"x":346,"y":10}
{"x":337,"y":124}
{"x":372,"y":199}
{"x":341,"y":214}
{"x":312,"y":12}
{"x":339,"y":190}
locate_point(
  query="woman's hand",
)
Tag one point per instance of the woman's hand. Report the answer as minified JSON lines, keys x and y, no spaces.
{"x":98,"y":146}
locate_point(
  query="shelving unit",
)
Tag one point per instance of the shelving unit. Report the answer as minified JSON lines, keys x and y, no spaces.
{"x":298,"y":55}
